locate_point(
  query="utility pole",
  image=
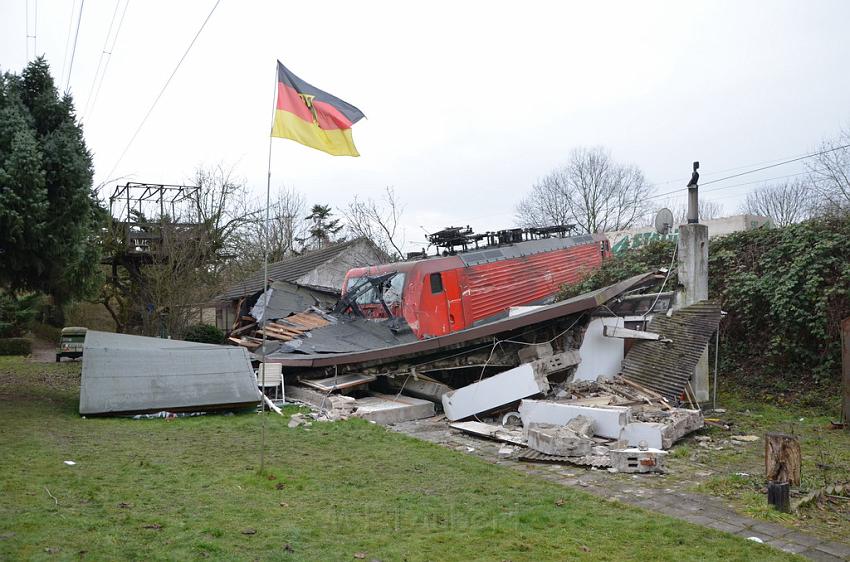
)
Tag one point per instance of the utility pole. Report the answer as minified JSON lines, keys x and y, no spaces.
{"x":845,"y":372}
{"x":693,"y":275}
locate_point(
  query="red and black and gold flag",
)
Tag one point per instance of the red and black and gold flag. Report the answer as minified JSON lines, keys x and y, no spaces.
{"x":312,"y":117}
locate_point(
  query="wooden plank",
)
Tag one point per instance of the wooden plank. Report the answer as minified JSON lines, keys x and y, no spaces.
{"x":782,"y":458}
{"x":288,"y":328}
{"x":275,"y":336}
{"x":238,"y":310}
{"x":244,"y":343}
{"x":243,"y":329}
{"x":282,"y":331}
{"x":282,"y":328}
{"x":247,"y":319}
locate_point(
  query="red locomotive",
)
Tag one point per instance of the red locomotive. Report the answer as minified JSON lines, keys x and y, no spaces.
{"x":439,"y":295}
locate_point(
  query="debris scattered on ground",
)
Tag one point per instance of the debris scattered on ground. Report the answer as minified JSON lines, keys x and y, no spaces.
{"x":745,"y":438}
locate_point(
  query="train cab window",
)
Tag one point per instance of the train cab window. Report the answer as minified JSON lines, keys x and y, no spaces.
{"x":436,"y":283}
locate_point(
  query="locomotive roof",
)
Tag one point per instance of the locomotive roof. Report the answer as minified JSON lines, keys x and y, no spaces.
{"x":487,"y":254}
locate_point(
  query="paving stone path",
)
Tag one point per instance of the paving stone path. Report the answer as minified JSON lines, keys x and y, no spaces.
{"x":640,"y":491}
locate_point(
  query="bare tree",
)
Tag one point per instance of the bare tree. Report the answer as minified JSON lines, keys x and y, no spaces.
{"x":591,"y":190}
{"x":287,"y":226}
{"x":830,"y":174}
{"x":184,"y":262}
{"x":785,"y":203}
{"x":223,"y":206}
{"x":378,"y":221}
{"x":708,"y":210}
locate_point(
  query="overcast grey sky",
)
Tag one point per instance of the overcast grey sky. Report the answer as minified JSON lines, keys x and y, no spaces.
{"x":467,"y":103}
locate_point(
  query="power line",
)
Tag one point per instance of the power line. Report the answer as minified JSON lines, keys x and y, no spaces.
{"x":68,"y":41}
{"x":74,"y":50}
{"x":96,"y":84}
{"x":162,"y":91}
{"x":782,"y":163}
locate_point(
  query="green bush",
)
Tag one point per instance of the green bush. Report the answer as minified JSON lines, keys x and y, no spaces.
{"x":16,"y":312}
{"x":651,"y":257}
{"x":15,"y":346}
{"x":204,"y":333}
{"x":785,"y":290}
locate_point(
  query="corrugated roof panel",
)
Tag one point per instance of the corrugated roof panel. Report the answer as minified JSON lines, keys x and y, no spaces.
{"x":667,"y":367}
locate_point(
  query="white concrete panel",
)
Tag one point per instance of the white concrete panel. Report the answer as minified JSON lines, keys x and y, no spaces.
{"x":600,"y":355}
{"x":498,"y":390}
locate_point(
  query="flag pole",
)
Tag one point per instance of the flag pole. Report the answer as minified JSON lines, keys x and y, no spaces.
{"x":265,"y":282}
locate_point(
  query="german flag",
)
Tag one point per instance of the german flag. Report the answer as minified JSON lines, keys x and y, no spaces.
{"x":312,"y":117}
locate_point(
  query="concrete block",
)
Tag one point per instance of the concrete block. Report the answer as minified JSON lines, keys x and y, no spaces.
{"x":557,"y":363}
{"x":558,"y":440}
{"x":386,"y":409}
{"x":680,"y":423}
{"x":609,"y":420}
{"x":498,"y":390}
{"x":650,"y":432}
{"x":636,"y":460}
{"x":582,"y":426}
{"x":530,"y":353}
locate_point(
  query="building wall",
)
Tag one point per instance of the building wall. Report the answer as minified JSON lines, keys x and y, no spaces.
{"x":332,"y":273}
{"x":623,"y":240}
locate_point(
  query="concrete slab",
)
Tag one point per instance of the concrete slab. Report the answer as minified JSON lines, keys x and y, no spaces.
{"x":498,"y":390}
{"x":609,"y":420}
{"x":490,"y":431}
{"x":386,"y":409}
{"x":429,"y":390}
{"x":336,"y":405}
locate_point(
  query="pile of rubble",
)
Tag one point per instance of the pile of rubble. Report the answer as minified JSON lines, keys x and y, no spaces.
{"x":604,"y":424}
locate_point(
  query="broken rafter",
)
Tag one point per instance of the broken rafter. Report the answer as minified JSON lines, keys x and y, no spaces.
{"x":275,"y":336}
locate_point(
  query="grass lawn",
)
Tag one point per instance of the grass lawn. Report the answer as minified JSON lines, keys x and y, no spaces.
{"x":826,"y":460}
{"x":190,"y":489}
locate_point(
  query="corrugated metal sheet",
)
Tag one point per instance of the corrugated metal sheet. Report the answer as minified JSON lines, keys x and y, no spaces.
{"x":530,"y":455}
{"x":131,"y":374}
{"x":667,"y":367}
{"x":520,"y":281}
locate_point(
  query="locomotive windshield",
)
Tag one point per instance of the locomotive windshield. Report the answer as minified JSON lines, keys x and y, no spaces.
{"x":392,"y":291}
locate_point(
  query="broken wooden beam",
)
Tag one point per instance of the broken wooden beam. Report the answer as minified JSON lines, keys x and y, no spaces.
{"x":274,"y":335}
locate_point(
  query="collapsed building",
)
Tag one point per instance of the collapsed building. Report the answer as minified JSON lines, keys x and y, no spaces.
{"x":478,"y":335}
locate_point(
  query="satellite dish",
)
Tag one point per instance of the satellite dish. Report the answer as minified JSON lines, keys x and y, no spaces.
{"x":663,"y":221}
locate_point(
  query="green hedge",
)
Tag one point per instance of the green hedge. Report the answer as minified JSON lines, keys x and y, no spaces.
{"x":204,"y":333}
{"x":15,"y":346}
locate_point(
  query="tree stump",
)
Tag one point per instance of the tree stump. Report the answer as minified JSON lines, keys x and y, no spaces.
{"x":782,"y":458}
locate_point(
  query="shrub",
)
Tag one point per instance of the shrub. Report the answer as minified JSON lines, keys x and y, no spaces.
{"x":15,"y":346}
{"x":204,"y":333}
{"x":16,"y":312}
